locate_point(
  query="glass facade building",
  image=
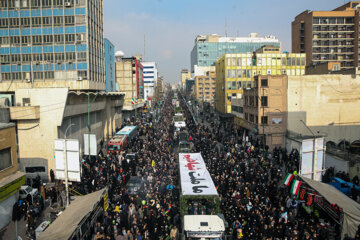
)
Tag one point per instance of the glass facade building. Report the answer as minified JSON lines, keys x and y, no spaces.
{"x":52,"y":40}
{"x":110,"y":66}
{"x":208,"y":49}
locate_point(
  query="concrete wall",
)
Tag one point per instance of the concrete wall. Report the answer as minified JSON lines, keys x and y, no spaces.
{"x":327,"y":104}
{"x":336,"y":162}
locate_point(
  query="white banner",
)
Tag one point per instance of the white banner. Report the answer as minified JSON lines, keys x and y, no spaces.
{"x":195,"y":178}
{"x":93,"y":144}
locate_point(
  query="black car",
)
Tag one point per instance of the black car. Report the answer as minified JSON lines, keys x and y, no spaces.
{"x":136,"y":186}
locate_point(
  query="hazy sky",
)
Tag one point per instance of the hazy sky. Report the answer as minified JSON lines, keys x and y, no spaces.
{"x":170,"y":26}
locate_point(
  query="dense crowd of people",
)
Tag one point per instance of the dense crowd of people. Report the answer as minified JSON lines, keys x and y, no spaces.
{"x":255,"y":203}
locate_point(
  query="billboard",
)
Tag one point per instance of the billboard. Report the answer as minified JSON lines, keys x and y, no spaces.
{"x":93,"y":144}
{"x":72,"y":157}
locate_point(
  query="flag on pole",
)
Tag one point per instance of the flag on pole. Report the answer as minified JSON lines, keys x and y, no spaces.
{"x":136,"y":100}
{"x":289,"y":177}
{"x":295,"y":187}
{"x":132,"y":101}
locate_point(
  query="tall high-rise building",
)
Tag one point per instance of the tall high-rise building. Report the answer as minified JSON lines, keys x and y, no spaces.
{"x":209,"y":48}
{"x":150,"y":77}
{"x":52,"y":43}
{"x":110,"y":66}
{"x":328,"y":36}
{"x":234,"y":72}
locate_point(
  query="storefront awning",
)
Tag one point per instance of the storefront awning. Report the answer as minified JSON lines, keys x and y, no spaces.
{"x":351,"y":209}
{"x":65,"y":225}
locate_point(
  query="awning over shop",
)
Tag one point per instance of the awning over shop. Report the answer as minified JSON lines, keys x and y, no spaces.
{"x":65,"y":225}
{"x":351,"y":209}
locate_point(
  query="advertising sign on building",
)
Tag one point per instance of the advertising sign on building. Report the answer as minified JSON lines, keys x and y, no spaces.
{"x":72,"y":159}
{"x":93,"y":144}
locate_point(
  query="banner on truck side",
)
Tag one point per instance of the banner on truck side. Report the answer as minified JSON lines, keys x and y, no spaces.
{"x":195,"y":178}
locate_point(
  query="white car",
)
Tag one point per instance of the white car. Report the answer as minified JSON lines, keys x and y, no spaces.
{"x":26,"y":190}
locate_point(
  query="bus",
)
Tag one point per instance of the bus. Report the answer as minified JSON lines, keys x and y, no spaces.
{"x":199,"y":197}
{"x":129,"y":131}
{"x":117,"y":143}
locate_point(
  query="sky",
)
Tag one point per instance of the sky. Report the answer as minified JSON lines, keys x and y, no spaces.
{"x":171,"y":26}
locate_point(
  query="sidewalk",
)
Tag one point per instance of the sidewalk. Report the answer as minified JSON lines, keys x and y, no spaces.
{"x":8,"y":233}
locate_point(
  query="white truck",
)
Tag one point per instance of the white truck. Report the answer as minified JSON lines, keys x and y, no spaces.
{"x":203,"y":227}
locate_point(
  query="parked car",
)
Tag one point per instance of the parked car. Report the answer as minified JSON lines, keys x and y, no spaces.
{"x":26,"y":190}
{"x":342,"y":186}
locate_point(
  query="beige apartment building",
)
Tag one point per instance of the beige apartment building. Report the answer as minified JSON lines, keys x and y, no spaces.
{"x":43,"y":115}
{"x":185,"y":74}
{"x":328,"y":36}
{"x":205,"y":87}
{"x":10,"y":177}
{"x":129,"y":78}
{"x":264,"y":109}
{"x":327,"y":104}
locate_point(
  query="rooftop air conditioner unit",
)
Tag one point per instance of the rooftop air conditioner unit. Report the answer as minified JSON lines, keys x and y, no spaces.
{"x":28,"y":80}
{"x":67,"y":4}
{"x":80,"y":78}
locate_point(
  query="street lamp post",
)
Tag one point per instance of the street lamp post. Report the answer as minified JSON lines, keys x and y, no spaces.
{"x":66,"y":171}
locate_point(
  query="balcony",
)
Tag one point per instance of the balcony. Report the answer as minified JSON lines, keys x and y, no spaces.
{"x":25,"y":113}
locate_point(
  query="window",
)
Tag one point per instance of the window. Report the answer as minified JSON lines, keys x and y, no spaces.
{"x":264,"y":101}
{"x":34,"y":169}
{"x":59,"y":39}
{"x":35,"y":3}
{"x":69,"y":38}
{"x":3,"y":4}
{"x":70,"y":56}
{"x":38,"y":75}
{"x":15,"y":40}
{"x":228,"y":85}
{"x":36,"y":21}
{"x":16,"y":58}
{"x":26,"y":58}
{"x":47,"y":39}
{"x":49,"y":57}
{"x":46,"y":3}
{"x":251,"y":117}
{"x":69,"y":20}
{"x":37,"y":57}
{"x":36,"y":40}
{"x":4,"y":59}
{"x":4,"y":40}
{"x":233,"y":85}
{"x":58,"y":20}
{"x":47,"y":21}
{"x":336,"y":67}
{"x":49,"y":75}
{"x":59,"y":3}
{"x":264,"y":82}
{"x":4,"y":22}
{"x":264,"y":120}
{"x":25,"y":22}
{"x":5,"y":156}
{"x":59,"y":56}
{"x":14,"y":22}
{"x":228,"y":75}
{"x":246,"y":116}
